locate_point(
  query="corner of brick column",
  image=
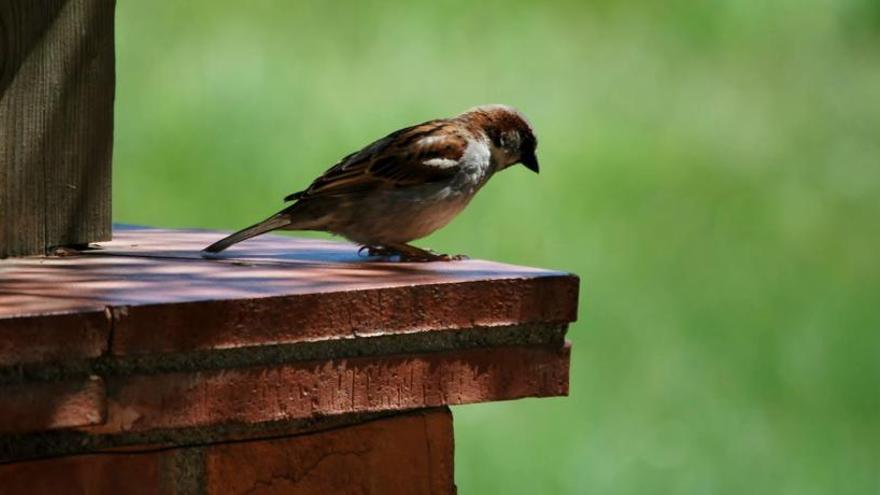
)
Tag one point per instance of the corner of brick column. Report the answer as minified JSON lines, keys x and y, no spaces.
{"x":410,"y":453}
{"x":299,"y":360}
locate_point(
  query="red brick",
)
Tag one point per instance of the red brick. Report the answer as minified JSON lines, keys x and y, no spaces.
{"x":93,"y":474}
{"x":52,"y":405}
{"x":39,"y":339}
{"x":311,"y":389}
{"x":409,"y":454}
{"x":165,"y":308}
{"x":166,"y":298}
{"x":320,"y":316}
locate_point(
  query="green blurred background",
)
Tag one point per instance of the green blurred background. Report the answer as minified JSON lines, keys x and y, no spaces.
{"x":710,"y":169}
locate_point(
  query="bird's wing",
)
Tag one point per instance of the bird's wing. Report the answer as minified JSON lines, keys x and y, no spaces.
{"x":424,"y":153}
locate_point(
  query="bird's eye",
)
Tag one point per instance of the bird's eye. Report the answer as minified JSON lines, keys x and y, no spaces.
{"x":510,"y":140}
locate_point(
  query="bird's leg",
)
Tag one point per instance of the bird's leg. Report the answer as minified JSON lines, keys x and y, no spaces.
{"x":412,"y":253}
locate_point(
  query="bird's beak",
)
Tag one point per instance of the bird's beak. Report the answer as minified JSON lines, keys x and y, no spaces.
{"x":531,"y":162}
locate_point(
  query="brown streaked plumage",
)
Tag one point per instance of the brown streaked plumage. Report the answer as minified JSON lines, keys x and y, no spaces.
{"x":407,"y":184}
{"x":394,"y":161}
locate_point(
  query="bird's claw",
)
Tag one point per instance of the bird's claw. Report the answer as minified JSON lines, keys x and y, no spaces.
{"x":412,"y":254}
{"x":429,"y":256}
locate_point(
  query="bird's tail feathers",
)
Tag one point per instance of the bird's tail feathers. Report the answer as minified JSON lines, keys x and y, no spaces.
{"x":277,"y":221}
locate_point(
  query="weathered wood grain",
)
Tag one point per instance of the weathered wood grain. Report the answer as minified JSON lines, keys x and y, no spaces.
{"x":57,"y":80}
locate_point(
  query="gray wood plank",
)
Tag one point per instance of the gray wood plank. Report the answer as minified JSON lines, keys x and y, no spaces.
{"x":57,"y":80}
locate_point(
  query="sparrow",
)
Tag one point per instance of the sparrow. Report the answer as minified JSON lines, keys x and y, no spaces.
{"x":407,"y":184}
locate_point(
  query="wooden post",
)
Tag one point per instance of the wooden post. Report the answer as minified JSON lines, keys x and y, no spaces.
{"x":57,"y":80}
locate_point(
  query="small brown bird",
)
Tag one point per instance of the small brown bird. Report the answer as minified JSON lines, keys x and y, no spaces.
{"x":407,"y":184}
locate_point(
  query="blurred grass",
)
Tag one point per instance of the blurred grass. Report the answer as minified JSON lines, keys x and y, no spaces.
{"x":710,"y":169}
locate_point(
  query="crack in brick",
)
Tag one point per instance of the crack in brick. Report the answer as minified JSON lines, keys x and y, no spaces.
{"x":294,"y":480}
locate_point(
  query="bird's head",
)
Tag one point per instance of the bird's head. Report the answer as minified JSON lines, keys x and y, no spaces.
{"x":512,"y":137}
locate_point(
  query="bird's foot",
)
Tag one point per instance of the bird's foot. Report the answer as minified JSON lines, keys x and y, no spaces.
{"x":377,"y":251}
{"x":414,"y":254}
{"x":432,"y":256}
{"x":423,"y":258}
{"x":407,"y":253}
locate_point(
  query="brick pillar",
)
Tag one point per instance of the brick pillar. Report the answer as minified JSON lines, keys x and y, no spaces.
{"x":297,"y":368}
{"x":402,"y":454}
